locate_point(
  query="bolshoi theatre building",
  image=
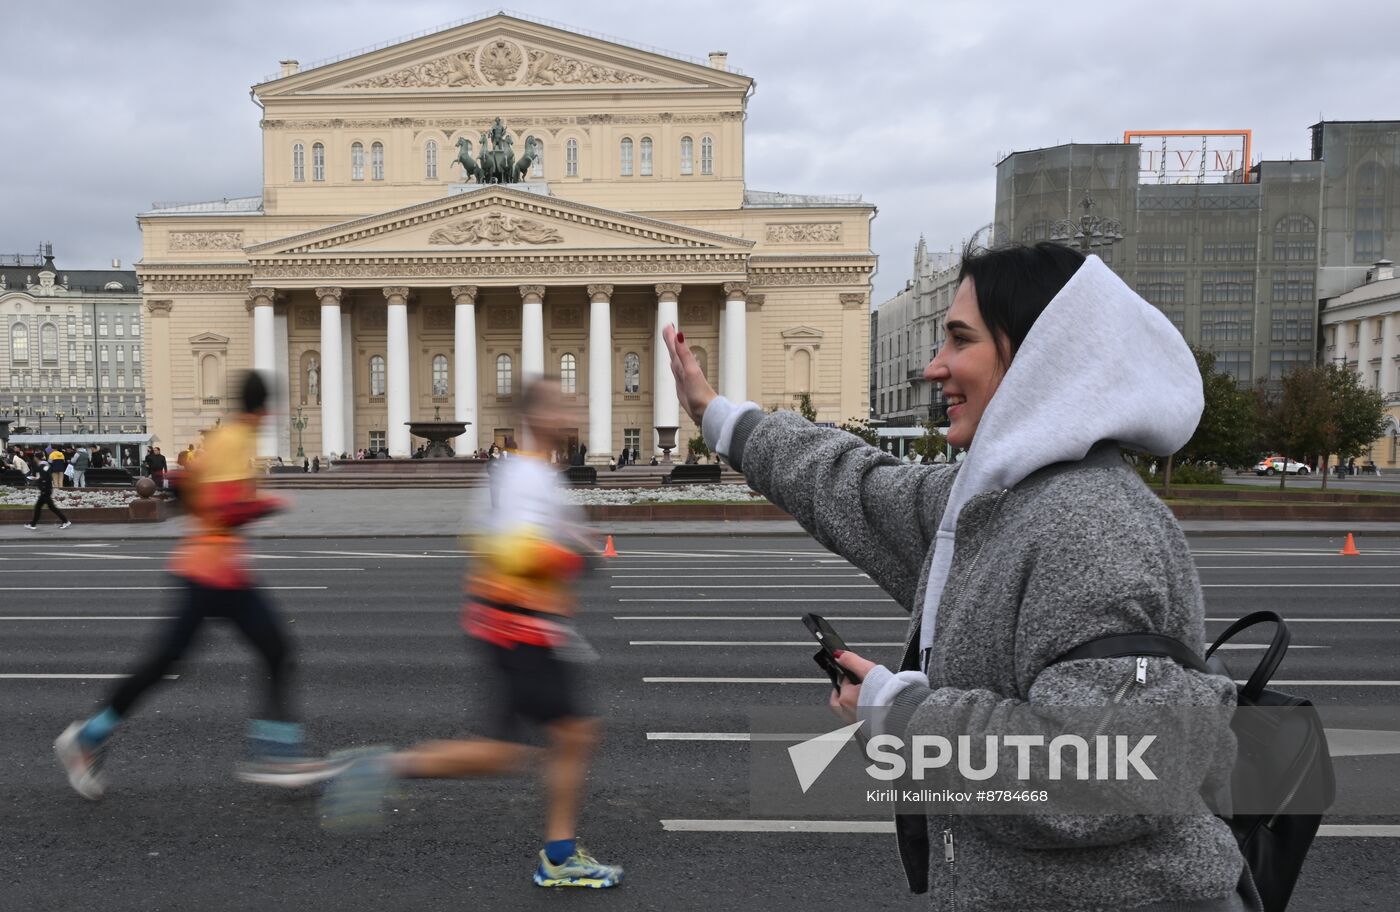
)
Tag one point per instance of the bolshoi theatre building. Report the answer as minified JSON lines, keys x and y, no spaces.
{"x":445,"y":217}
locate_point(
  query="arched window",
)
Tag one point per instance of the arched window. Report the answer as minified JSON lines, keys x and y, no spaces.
{"x":376,"y":162}
{"x":702,"y":359}
{"x":568,"y":374}
{"x":536,"y":149}
{"x":687,"y":155}
{"x":318,"y":162}
{"x":19,"y":342}
{"x":503,"y":375}
{"x":631,"y":373}
{"x":1295,"y":224}
{"x":707,"y":155}
{"x":430,"y":160}
{"x":48,"y":343}
{"x":376,"y":375}
{"x":298,"y":162}
{"x":626,"y":153}
{"x":357,"y":162}
{"x":211,"y":384}
{"x":646,"y":156}
{"x":571,"y":158}
{"x":440,"y":376}
{"x":1369,"y":238}
{"x":801,"y":371}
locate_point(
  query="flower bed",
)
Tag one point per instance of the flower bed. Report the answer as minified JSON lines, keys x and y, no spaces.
{"x":70,"y":499}
{"x":667,"y":494}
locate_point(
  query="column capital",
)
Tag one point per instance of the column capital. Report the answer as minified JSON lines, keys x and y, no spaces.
{"x":668,"y":288}
{"x":736,"y":290}
{"x":755,"y":303}
{"x":852,"y":301}
{"x":261,"y":297}
{"x":159,"y":308}
{"x":396,"y":291}
{"x":529,"y":291}
{"x":329,"y":292}
{"x":464,"y":291}
{"x":600,"y":291}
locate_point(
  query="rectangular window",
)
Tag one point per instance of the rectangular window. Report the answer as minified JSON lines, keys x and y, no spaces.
{"x":1227,"y":287}
{"x":72,"y":351}
{"x":1226,"y":326}
{"x":1161,"y":253}
{"x":1293,"y":285}
{"x":121,"y":381}
{"x":1162,"y":286}
{"x":121,"y":355}
{"x":103,"y":350}
{"x":687,"y":155}
{"x":1237,"y":364}
{"x":102,"y":325}
{"x":106,"y":381}
{"x":136,"y":326}
{"x":1290,"y":325}
{"x":87,"y":327}
{"x":72,"y":325}
{"x":376,"y":162}
{"x":571,"y":158}
{"x":119,"y":327}
{"x":1281,"y":362}
{"x":376,"y":440}
{"x":632,"y":438}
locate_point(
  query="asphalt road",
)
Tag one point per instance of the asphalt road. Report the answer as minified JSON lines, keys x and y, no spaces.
{"x":382,"y":661}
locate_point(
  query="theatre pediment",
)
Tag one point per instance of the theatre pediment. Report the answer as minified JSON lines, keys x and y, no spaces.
{"x":500,"y":52}
{"x":495,"y":219}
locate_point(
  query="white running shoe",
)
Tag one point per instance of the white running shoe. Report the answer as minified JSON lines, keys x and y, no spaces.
{"x":65,"y":524}
{"x":288,"y":773}
{"x":83,"y":766}
{"x":31,"y":527}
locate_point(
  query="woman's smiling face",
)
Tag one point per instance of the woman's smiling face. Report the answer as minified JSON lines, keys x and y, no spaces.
{"x":968,"y":367}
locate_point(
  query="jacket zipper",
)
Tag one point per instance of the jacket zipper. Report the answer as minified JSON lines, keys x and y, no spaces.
{"x":1139,"y":676}
{"x":950,"y":857}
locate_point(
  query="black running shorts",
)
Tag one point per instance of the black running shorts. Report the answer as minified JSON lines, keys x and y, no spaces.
{"x":534,"y":686}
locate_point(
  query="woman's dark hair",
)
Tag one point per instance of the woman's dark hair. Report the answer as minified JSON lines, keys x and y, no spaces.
{"x":255,"y":392}
{"x":1014,"y":284}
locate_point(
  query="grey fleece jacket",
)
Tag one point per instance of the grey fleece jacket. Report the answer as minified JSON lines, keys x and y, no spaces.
{"x":1041,"y":540}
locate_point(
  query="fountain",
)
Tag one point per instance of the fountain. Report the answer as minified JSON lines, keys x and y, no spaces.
{"x":437,"y":432}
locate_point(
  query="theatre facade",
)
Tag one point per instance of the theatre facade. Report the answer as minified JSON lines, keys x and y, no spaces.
{"x":444,"y":218}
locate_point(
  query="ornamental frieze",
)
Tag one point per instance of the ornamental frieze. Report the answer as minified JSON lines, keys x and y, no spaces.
{"x":547,"y":68}
{"x":501,"y":63}
{"x":206,"y":240}
{"x":496,"y":228}
{"x":842,"y":277}
{"x":451,"y":71}
{"x":522,"y":266}
{"x":219,"y":284}
{"x":471,"y":129}
{"x":803,"y":233}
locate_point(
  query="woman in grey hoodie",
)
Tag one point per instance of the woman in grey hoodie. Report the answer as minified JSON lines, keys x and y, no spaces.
{"x":1042,"y":539}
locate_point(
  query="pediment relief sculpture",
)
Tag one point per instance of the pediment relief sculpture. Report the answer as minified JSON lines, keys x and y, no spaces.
{"x":496,"y":228}
{"x":500,"y":63}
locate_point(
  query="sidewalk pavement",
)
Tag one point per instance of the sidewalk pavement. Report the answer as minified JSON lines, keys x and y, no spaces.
{"x":410,"y":513}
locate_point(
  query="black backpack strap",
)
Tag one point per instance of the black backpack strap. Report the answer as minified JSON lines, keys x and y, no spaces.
{"x":1119,"y":645}
{"x":1272,"y":656}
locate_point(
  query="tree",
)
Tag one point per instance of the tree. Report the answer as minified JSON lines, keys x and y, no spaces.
{"x":1228,"y":428}
{"x":805,"y":407}
{"x":1356,"y":416}
{"x":861,"y":429}
{"x":1296,"y":416}
{"x":932,"y":443}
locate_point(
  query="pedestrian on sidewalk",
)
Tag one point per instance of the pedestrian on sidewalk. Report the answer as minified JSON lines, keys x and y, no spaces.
{"x":1042,"y":538}
{"x":212,"y":565}
{"x":519,"y":616}
{"x":58,"y":464}
{"x":81,"y":461}
{"x":43,"y":476}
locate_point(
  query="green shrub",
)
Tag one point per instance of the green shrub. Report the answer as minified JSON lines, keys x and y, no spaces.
{"x":1186,"y":474}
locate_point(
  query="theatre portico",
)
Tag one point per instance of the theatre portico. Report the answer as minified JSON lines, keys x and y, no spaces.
{"x":380,"y":288}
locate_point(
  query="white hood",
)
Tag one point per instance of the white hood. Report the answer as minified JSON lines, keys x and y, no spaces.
{"x":1100,"y":363}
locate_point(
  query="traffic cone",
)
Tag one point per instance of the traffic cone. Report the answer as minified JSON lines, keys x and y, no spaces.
{"x":608,"y":549}
{"x":1349,"y":550}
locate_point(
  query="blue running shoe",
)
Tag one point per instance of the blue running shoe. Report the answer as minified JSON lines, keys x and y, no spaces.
{"x":354,"y":799}
{"x":578,"y":870}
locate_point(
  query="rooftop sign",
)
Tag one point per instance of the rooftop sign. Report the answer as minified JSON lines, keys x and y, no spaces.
{"x":1192,"y":156}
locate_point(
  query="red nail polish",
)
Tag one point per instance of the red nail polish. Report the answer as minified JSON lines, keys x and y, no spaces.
{"x":838,"y":653}
{"x":680,"y":337}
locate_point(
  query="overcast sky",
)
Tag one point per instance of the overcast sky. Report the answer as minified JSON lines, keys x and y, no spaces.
{"x":115,"y":105}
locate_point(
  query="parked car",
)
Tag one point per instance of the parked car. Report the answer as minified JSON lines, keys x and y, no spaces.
{"x":1272,"y":465}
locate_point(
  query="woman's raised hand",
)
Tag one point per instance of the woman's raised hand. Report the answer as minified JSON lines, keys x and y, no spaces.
{"x":693,"y":390}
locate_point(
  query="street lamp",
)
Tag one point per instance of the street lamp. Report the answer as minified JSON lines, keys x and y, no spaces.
{"x":299,"y":422}
{"x":40,"y":413}
{"x":60,"y":415}
{"x":1091,"y":233}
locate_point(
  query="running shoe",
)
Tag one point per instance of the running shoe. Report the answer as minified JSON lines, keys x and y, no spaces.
{"x":83,"y":765}
{"x":31,"y":527}
{"x":65,"y":524}
{"x":354,"y":799}
{"x":287,"y":772}
{"x":578,"y":870}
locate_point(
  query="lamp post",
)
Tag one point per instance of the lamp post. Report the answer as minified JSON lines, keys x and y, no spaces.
{"x":299,"y":422}
{"x":40,"y":413}
{"x":1090,"y":233}
{"x":60,"y":415}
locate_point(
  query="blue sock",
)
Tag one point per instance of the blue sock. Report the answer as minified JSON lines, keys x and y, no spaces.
{"x":559,"y":850}
{"x":99,"y":727}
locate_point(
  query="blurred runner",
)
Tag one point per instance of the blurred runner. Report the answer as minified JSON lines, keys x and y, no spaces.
{"x":220,"y":493}
{"x":519,"y":613}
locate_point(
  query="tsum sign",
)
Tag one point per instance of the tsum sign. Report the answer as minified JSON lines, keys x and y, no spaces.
{"x":1192,"y":157}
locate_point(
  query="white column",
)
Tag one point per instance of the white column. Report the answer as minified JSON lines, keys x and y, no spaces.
{"x":1390,"y":347}
{"x":332,"y":375}
{"x":1365,"y":327}
{"x":265,"y":363}
{"x":666,"y":405}
{"x":347,"y":360}
{"x":600,"y":379}
{"x":464,"y":368}
{"x":734,"y":326}
{"x":531,"y":333}
{"x":396,"y":434}
{"x":283,"y":418}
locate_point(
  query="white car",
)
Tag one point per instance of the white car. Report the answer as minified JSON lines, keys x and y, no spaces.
{"x":1272,"y":465}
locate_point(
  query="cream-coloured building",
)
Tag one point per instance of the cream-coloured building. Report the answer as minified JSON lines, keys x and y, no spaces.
{"x":381,"y":288}
{"x":1361,"y":330}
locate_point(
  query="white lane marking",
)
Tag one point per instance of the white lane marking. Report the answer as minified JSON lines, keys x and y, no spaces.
{"x":755,"y":601}
{"x":731,"y":552}
{"x":133,"y":588}
{"x":694,"y":586}
{"x":1330,"y":683}
{"x":90,"y":617}
{"x":731,"y":736}
{"x":826,"y":681}
{"x":673,"y":825}
{"x":1318,"y":620}
{"x":123,"y":570}
{"x":71,"y":677}
{"x":64,"y":555}
{"x":810,"y":643}
{"x":96,"y":545}
{"x":744,"y":617}
{"x":714,"y":574}
{"x":1339,"y":565}
{"x":404,"y":555}
{"x":1285,"y":586}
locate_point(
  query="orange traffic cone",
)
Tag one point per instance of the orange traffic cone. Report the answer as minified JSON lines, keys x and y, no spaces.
{"x":1349,"y":550}
{"x":608,"y":549}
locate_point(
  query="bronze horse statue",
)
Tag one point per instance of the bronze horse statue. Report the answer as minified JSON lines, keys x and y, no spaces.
{"x":470,"y":168}
{"x":493,"y":165}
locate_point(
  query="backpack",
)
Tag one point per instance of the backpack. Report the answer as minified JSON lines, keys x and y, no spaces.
{"x":1283,"y":761}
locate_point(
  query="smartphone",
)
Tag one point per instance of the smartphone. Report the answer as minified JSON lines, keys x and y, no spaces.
{"x":831,"y":643}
